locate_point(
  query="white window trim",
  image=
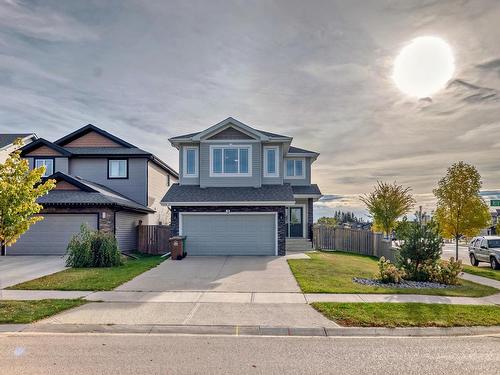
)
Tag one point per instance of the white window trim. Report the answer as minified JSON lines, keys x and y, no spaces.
{"x":276,"y":161}
{"x":184,"y":161}
{"x":285,"y":169}
{"x":305,"y":215}
{"x":46,"y":173}
{"x":222,"y":174}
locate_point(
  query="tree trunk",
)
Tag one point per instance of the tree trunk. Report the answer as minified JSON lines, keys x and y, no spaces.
{"x":3,"y":251}
{"x":456,"y":247}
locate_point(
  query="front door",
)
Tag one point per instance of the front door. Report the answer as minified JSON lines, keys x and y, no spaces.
{"x":295,"y":224}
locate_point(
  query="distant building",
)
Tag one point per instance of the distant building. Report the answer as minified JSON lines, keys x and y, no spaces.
{"x":7,"y":143}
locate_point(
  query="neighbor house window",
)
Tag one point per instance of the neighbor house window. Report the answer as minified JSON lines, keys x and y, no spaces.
{"x":294,"y":168}
{"x":190,"y":162}
{"x":118,"y":168}
{"x":271,"y":163}
{"x":230,"y":161}
{"x":49,"y":166}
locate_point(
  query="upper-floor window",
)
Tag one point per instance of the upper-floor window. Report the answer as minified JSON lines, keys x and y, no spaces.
{"x":271,"y":162}
{"x":294,"y":168}
{"x":190,"y":167}
{"x":48,"y":163}
{"x":117,"y":168}
{"x":228,"y":161}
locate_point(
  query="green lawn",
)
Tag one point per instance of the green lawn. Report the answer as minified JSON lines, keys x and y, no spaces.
{"x":333,"y":273}
{"x":483,"y":271}
{"x":20,"y":312}
{"x":93,"y":278}
{"x":408,"y":314}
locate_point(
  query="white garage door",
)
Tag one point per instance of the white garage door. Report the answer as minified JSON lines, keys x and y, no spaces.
{"x":51,"y":235}
{"x":229,"y":234}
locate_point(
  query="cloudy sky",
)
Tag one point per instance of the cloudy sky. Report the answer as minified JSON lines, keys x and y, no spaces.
{"x":319,"y":71}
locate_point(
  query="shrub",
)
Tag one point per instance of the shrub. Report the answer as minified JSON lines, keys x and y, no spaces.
{"x":420,"y":249}
{"x":447,"y":272}
{"x":92,"y":249}
{"x":388,"y":272}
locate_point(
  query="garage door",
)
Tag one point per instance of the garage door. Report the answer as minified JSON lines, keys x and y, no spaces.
{"x":51,"y":235}
{"x":229,"y":234}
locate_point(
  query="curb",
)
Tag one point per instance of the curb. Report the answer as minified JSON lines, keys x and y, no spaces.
{"x":231,"y":330}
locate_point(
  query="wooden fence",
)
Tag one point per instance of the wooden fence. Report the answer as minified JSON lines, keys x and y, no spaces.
{"x":357,"y":241}
{"x":153,"y":239}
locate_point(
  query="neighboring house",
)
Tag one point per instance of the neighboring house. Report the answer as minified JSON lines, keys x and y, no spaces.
{"x":242,"y":191}
{"x":102,"y":181}
{"x":7,"y":143}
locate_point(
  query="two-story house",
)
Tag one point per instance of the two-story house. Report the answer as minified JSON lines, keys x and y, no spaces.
{"x":241,"y":191}
{"x":102,"y":181}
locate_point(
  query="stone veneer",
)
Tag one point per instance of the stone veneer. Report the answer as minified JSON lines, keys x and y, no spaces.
{"x":174,"y":224}
{"x":106,"y":225}
{"x":310,"y":218}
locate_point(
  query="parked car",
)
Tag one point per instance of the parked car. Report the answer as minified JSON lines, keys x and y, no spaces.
{"x":485,"y":249}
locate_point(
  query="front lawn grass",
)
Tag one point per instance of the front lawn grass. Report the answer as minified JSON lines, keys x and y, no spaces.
{"x":22,"y":312}
{"x":483,"y":271}
{"x":408,"y":314}
{"x":333,"y":273}
{"x":93,"y":278}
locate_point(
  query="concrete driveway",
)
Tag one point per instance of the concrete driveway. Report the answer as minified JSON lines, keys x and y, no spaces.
{"x":221,"y":274}
{"x":18,"y":269}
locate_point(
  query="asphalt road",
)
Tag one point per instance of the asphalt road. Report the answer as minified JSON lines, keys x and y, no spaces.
{"x":164,"y":354}
{"x":463,"y":253}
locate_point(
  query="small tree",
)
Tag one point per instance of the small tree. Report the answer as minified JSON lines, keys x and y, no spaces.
{"x":460,"y":209}
{"x":19,"y":190}
{"x":329,"y":221}
{"x":387,"y":203}
{"x":420,"y":247}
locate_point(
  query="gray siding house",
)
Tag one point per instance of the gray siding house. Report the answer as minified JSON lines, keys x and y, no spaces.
{"x":242,"y":191}
{"x":102,"y":181}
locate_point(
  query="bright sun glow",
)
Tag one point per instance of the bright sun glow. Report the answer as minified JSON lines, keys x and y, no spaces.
{"x":424,"y":66}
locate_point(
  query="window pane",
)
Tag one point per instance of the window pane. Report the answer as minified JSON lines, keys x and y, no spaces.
{"x":231,"y":160}
{"x":289,"y":167}
{"x":49,"y":166}
{"x":271,"y":161}
{"x":191,"y":161}
{"x":217,"y":160}
{"x":298,"y":167}
{"x":243,"y":160}
{"x":118,"y":168}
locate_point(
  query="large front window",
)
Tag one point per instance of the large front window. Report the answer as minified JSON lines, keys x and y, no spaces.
{"x":294,"y":168}
{"x":230,"y":161}
{"x":48,"y":164}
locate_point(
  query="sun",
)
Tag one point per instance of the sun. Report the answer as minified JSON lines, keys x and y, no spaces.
{"x":424,"y":66}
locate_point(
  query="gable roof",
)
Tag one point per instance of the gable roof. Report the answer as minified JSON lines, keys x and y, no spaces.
{"x":43,"y":142}
{"x":6,"y":139}
{"x":92,"y":128}
{"x":296,"y":150}
{"x":90,"y":193}
{"x":228,"y":122}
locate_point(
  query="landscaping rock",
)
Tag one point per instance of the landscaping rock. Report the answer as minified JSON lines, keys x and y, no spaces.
{"x":405,"y":284}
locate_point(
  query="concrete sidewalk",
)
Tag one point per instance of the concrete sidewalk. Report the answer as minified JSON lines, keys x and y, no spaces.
{"x":243,"y":297}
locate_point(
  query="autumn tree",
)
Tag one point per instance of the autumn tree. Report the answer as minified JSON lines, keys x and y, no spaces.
{"x":460,"y":209}
{"x":387,"y":203}
{"x":19,"y":189}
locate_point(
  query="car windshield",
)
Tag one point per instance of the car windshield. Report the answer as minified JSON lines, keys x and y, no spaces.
{"x":494,"y":243}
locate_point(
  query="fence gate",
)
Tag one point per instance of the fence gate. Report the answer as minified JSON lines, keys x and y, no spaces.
{"x":153,"y":239}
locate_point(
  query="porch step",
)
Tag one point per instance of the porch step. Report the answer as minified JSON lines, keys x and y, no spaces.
{"x":298,"y":244}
